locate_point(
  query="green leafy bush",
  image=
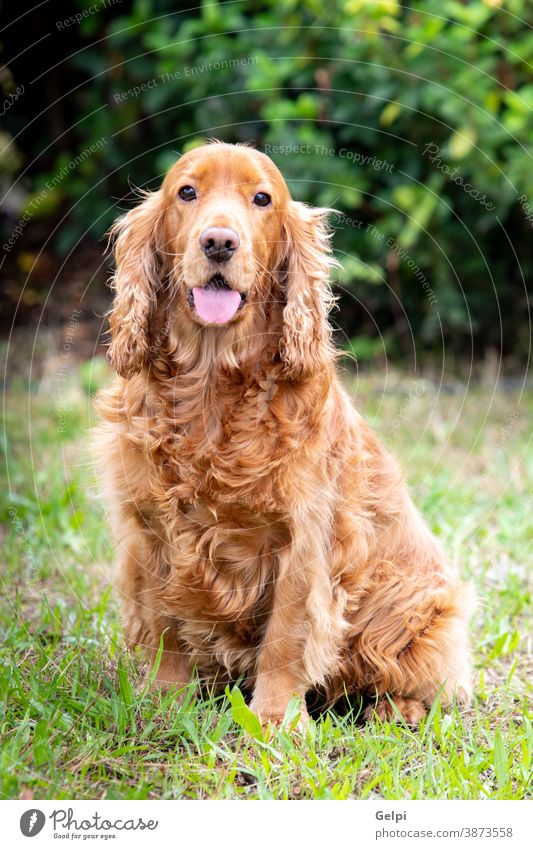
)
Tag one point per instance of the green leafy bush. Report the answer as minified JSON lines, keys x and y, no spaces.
{"x":413,"y":122}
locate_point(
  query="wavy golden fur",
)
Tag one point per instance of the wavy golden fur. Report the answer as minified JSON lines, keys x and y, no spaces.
{"x":261,"y":528}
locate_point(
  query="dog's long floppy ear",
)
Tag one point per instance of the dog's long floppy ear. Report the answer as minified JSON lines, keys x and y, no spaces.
{"x":306,"y":346}
{"x":136,"y":282}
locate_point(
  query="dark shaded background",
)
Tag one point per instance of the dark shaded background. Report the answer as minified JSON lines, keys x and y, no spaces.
{"x":357,"y":90}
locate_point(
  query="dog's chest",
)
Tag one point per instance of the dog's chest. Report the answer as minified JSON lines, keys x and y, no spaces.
{"x":219,"y":508}
{"x":221,"y":564}
{"x":224,"y":446}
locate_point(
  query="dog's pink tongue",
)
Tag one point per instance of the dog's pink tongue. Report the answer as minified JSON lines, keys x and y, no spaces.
{"x":216,"y":306}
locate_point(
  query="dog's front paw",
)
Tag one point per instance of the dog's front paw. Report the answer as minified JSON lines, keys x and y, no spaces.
{"x":273,"y":715}
{"x":164,"y":682}
{"x":411,"y":710}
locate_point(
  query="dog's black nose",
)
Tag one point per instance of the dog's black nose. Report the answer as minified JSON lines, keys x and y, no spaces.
{"x":219,"y":243}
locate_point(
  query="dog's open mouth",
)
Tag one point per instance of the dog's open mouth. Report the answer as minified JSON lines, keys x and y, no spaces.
{"x":216,"y":302}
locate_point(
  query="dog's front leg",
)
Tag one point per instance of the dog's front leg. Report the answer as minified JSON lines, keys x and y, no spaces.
{"x":280,"y":670}
{"x":300,"y":643}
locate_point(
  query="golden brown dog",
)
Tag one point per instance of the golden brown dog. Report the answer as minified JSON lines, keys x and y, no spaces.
{"x":262,"y":530}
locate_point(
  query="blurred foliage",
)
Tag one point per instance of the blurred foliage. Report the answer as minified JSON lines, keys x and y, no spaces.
{"x":357,"y":89}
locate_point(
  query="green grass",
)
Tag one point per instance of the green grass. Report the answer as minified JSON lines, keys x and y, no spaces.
{"x":73,"y":723}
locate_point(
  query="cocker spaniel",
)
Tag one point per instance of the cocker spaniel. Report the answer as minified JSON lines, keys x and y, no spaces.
{"x":262,"y":529}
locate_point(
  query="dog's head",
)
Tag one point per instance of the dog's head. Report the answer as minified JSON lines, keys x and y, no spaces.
{"x":213,"y":248}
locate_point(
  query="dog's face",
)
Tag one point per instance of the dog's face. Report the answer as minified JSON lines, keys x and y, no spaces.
{"x":215,"y":247}
{"x":226,"y":207}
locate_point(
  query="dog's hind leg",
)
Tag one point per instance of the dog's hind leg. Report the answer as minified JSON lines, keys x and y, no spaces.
{"x":418,"y":655}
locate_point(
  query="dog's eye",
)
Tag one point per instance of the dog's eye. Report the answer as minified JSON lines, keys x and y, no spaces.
{"x":262,"y":199}
{"x":187,"y":193}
